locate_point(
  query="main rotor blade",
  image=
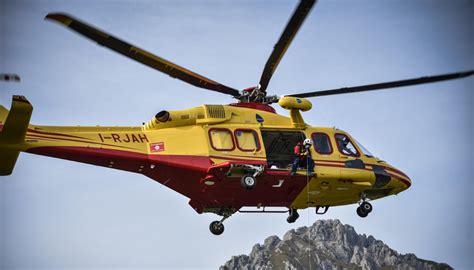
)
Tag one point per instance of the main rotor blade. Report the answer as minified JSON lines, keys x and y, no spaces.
{"x":379,"y":86}
{"x":284,"y":42}
{"x":140,"y":55}
{"x":9,"y":77}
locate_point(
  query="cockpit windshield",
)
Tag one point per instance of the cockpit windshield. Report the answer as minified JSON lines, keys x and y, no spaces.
{"x":363,"y":149}
{"x":346,"y":147}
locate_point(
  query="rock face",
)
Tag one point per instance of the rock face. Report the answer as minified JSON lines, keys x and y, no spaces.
{"x":328,"y":244}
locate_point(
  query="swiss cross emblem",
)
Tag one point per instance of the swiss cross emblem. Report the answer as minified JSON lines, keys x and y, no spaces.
{"x":157,"y":147}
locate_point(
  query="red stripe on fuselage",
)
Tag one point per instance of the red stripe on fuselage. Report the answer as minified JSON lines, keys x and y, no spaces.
{"x":340,"y":166}
{"x":73,"y":140}
{"x":368,"y":164}
{"x":240,"y":159}
{"x":55,"y":134}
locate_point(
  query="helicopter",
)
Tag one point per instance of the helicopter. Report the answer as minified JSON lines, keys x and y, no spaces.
{"x":239,"y":153}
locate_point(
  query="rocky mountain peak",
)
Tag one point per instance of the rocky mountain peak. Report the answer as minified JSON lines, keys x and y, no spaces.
{"x":327,"y":244}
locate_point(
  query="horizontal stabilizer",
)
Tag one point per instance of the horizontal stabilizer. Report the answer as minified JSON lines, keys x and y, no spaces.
{"x":13,"y":127}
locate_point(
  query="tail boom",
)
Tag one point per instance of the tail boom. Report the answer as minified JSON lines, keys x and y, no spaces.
{"x":94,"y":145}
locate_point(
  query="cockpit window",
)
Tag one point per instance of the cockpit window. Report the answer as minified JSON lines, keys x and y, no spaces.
{"x":363,"y":149}
{"x":345,"y":145}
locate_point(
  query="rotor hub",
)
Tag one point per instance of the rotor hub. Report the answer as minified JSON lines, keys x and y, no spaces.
{"x":257,"y":95}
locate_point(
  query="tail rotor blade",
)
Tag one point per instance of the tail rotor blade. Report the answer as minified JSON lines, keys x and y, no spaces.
{"x":10,"y":77}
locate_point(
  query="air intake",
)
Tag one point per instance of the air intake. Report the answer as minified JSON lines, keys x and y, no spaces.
{"x":215,"y":111}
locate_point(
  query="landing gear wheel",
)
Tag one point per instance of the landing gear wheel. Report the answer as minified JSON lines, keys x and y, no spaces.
{"x":293,"y":216}
{"x":366,"y":207}
{"x":361,"y":212}
{"x":248,"y":181}
{"x":216,"y":227}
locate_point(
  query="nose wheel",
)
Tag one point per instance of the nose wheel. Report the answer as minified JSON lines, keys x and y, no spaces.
{"x":364,"y":209}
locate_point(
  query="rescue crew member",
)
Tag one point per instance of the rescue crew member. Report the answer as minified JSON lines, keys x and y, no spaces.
{"x":302,"y":157}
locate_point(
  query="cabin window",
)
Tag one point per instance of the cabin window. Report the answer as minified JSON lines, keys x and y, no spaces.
{"x":345,"y":145}
{"x":247,"y":140}
{"x":221,"y":139}
{"x":322,"y":144}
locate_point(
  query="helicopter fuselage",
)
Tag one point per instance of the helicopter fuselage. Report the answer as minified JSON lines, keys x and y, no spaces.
{"x":204,"y":152}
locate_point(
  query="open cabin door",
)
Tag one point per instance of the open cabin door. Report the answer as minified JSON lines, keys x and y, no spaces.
{"x":279,"y":146}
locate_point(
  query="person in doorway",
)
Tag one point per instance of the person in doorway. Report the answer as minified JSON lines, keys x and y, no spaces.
{"x":302,"y":158}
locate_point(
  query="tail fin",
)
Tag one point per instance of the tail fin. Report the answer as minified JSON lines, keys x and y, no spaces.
{"x":13,"y":127}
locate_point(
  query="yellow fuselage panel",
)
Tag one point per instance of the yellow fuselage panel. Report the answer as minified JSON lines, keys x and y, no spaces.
{"x":115,"y":138}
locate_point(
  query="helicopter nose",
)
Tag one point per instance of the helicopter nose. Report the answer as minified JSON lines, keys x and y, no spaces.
{"x":404,"y":180}
{"x":386,"y":173}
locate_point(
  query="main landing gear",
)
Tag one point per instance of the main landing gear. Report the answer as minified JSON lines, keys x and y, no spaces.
{"x":217,"y":227}
{"x":364,"y":209}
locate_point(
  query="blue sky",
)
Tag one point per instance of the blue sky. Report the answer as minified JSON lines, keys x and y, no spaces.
{"x":60,"y":214}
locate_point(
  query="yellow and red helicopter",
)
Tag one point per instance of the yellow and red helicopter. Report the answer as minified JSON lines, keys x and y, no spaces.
{"x":222,"y":157}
